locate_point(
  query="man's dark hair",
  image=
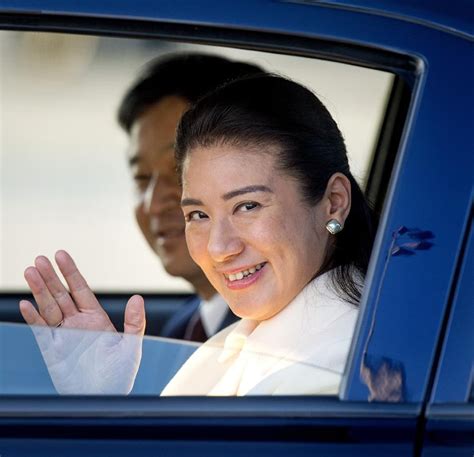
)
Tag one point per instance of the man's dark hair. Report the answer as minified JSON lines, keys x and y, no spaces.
{"x":190,"y":76}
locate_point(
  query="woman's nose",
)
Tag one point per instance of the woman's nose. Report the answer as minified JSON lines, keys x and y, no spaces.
{"x":224,"y":241}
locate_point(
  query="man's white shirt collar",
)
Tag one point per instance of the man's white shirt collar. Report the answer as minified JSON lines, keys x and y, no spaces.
{"x":213,"y":313}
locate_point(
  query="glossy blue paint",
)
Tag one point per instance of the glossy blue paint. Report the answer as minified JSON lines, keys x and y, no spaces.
{"x":248,"y":13}
{"x":449,"y":430}
{"x":277,"y":426}
{"x":406,"y":301}
{"x":436,"y":13}
{"x":455,"y":375}
{"x":410,"y":296}
{"x":428,"y":192}
{"x":100,"y":447}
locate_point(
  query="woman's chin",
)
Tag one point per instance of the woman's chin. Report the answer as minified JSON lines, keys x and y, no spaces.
{"x":243,"y":311}
{"x":251,"y":311}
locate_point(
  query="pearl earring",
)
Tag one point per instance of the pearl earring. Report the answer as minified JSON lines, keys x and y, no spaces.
{"x":334,"y":226}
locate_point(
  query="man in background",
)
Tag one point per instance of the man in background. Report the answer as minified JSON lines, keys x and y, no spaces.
{"x":149,"y":113}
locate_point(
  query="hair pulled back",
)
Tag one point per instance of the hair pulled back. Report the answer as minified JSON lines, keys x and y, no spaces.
{"x":267,"y":112}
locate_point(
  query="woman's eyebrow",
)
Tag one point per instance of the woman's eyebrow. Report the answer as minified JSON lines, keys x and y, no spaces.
{"x":228,"y":195}
{"x":246,"y":190}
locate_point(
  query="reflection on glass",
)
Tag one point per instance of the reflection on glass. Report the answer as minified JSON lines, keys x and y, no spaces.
{"x":45,"y":361}
{"x":75,"y":360}
{"x":385,"y":379}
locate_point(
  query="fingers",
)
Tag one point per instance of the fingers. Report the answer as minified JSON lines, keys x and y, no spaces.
{"x":29,"y":313}
{"x":48,"y":307}
{"x":54,"y":301}
{"x":56,"y":288}
{"x":41,"y":331}
{"x":80,"y":290}
{"x":135,"y":321}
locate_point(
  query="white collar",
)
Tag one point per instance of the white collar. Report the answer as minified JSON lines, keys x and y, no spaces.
{"x":213,"y":312}
{"x":285,"y":335}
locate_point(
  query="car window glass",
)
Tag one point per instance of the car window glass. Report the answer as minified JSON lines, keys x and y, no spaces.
{"x":66,"y":184}
{"x":68,"y":361}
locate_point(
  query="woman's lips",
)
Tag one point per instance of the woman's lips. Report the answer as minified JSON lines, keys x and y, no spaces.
{"x":246,"y":281}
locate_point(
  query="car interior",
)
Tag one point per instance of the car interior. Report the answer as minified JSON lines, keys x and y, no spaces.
{"x":64,"y":163}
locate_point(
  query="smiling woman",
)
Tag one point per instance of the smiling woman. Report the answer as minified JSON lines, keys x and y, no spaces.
{"x":279,"y":226}
{"x":268,"y":146}
{"x":251,"y":217}
{"x":282,"y":231}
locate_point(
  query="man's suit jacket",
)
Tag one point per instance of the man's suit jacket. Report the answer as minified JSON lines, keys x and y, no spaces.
{"x":177,"y":324}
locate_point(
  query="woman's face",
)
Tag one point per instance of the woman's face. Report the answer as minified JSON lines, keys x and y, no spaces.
{"x":249,"y":230}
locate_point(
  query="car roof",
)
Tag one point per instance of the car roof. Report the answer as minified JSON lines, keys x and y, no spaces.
{"x":453,"y":16}
{"x":456,"y":15}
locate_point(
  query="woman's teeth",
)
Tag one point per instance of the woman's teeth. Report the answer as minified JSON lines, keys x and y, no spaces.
{"x":244,"y":273}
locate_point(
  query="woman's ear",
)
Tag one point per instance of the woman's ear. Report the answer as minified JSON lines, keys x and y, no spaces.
{"x":338,"y":198}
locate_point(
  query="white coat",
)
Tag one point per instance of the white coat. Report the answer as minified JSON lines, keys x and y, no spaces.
{"x":302,"y":350}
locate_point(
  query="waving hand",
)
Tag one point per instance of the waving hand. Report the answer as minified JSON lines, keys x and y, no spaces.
{"x":82,"y":349}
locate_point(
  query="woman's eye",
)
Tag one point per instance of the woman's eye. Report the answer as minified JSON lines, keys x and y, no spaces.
{"x":247,"y":206}
{"x":196,"y":216}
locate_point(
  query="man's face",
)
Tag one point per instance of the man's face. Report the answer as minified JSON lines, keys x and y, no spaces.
{"x":158,"y":194}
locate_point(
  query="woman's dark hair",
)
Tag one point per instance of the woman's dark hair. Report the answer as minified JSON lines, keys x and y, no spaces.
{"x":267,"y":110}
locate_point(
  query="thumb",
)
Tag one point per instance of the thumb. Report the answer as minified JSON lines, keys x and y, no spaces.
{"x":135,"y":316}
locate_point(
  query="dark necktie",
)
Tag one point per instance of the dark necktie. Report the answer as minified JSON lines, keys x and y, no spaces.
{"x":195,"y":330}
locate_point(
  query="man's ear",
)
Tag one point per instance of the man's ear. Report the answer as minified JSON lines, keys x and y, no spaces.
{"x":337,"y":198}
